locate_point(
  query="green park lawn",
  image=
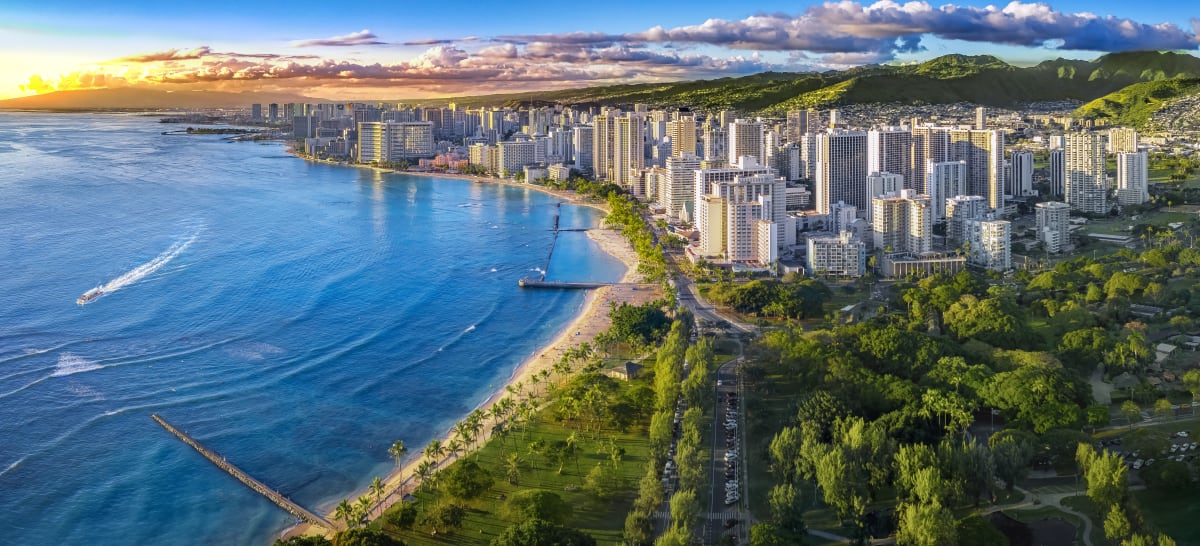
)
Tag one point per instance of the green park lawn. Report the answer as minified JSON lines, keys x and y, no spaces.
{"x":602,"y":520}
{"x":1175,"y":515}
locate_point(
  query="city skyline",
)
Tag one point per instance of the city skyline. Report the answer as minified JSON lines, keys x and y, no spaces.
{"x":378,"y":52}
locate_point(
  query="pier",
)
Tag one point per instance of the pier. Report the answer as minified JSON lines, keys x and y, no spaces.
{"x":272,"y":495}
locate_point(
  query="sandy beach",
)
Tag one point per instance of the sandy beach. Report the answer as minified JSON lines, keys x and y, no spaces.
{"x":592,"y":320}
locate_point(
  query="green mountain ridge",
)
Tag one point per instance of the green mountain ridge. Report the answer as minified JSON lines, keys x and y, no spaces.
{"x":1136,"y":104}
{"x":981,"y":79}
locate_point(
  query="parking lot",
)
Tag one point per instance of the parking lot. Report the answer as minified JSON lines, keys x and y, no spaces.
{"x":728,"y":481}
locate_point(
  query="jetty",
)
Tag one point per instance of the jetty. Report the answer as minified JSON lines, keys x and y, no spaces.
{"x":259,"y":487}
{"x":530,"y":282}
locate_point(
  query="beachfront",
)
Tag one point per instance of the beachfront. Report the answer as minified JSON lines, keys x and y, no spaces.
{"x":592,"y":320}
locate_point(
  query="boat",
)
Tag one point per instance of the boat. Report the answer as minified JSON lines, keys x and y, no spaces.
{"x":89,"y":296}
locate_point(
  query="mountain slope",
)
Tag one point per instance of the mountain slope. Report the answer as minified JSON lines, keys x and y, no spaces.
{"x":1136,"y":104}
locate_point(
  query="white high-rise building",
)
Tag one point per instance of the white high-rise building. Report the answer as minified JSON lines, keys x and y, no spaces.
{"x":984,"y":153}
{"x":991,"y":244}
{"x":841,"y":170}
{"x":943,"y":181}
{"x":879,"y":184}
{"x":629,"y":149}
{"x":394,"y":141}
{"x":890,"y":151}
{"x":1132,"y":178}
{"x":679,"y":199}
{"x":961,"y":209}
{"x":745,"y":199}
{"x":515,"y":155}
{"x":1053,"y":224}
{"x":902,"y":223}
{"x":603,"y":143}
{"x":581,"y":140}
{"x":930,"y":145}
{"x":1021,"y":174}
{"x":1086,"y":181}
{"x":841,"y":255}
{"x":1122,"y":140}
{"x":746,"y":138}
{"x":744,"y":183}
{"x":841,"y":217}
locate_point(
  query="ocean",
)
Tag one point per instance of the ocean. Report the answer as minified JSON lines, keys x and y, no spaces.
{"x":295,"y":317}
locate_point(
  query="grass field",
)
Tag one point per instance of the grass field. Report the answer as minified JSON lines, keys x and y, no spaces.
{"x":1175,"y":515}
{"x":603,"y":520}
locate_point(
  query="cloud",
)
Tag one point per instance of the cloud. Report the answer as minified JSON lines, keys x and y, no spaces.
{"x":360,"y":38}
{"x":886,"y":28}
{"x":168,"y":55}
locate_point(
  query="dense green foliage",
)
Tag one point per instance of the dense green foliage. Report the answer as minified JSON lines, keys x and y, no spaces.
{"x":364,"y":537}
{"x":538,"y":532}
{"x":1134,"y":105}
{"x":796,"y":299}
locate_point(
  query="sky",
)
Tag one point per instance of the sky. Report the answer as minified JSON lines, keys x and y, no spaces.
{"x":408,"y":49}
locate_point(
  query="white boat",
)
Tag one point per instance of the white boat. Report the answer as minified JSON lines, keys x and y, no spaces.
{"x":90,"y":295}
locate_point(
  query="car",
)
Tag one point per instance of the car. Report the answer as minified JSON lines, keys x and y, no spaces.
{"x":1149,"y":462}
{"x":1137,"y":465}
{"x":720,"y":383}
{"x":1195,"y":444}
{"x":729,"y":523}
{"x":1182,"y":434}
{"x":1174,"y":448}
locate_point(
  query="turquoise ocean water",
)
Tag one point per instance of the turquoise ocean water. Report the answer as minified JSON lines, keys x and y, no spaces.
{"x":295,"y":317}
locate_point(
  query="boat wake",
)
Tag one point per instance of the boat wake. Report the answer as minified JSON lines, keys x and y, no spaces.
{"x":70,"y":364}
{"x":138,"y":273}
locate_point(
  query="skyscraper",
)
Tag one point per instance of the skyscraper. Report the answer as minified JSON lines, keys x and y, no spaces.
{"x":960,"y":209}
{"x":1052,"y":225}
{"x":1058,"y":173}
{"x":1086,"y":183}
{"x":1021,"y":173}
{"x":581,"y":137}
{"x":841,"y":169}
{"x":945,"y":180}
{"x":681,"y":176}
{"x":1132,"y":177}
{"x":991,"y":244}
{"x":890,"y":151}
{"x":902,"y":223}
{"x":1122,"y":140}
{"x":879,"y":184}
{"x":929,"y":144}
{"x":629,"y":149}
{"x":746,"y":139}
{"x":682,"y":132}
{"x":800,"y":122}
{"x":984,"y":153}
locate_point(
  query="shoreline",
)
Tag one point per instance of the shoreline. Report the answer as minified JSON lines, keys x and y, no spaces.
{"x":591,"y":320}
{"x":569,"y":195}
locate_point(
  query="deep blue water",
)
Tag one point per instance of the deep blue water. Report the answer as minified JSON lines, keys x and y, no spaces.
{"x":297,"y":318}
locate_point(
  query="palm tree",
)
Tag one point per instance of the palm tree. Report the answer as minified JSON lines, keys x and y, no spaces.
{"x":345,"y":513}
{"x":434,"y":450}
{"x":397,"y":451}
{"x":424,"y":472}
{"x":377,"y":489}
{"x":362,"y":508}
{"x":512,"y":468}
{"x":533,"y":382}
{"x":572,"y":442}
{"x":462,"y":430}
{"x":453,"y":448}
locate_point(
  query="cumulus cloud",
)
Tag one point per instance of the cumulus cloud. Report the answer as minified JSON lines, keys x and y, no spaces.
{"x":886,"y":28}
{"x":360,"y":38}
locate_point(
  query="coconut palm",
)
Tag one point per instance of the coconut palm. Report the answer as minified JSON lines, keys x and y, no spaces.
{"x":512,"y":468}
{"x":397,"y":451}
{"x":453,"y":448}
{"x":377,"y":489}
{"x":533,"y":382}
{"x":362,"y":508}
{"x":462,"y":430}
{"x":345,"y":513}
{"x":434,"y":451}
{"x":572,"y":441}
{"x":424,"y":473}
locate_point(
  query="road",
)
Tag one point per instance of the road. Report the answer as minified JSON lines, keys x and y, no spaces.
{"x":728,"y":383}
{"x":702,"y":310}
